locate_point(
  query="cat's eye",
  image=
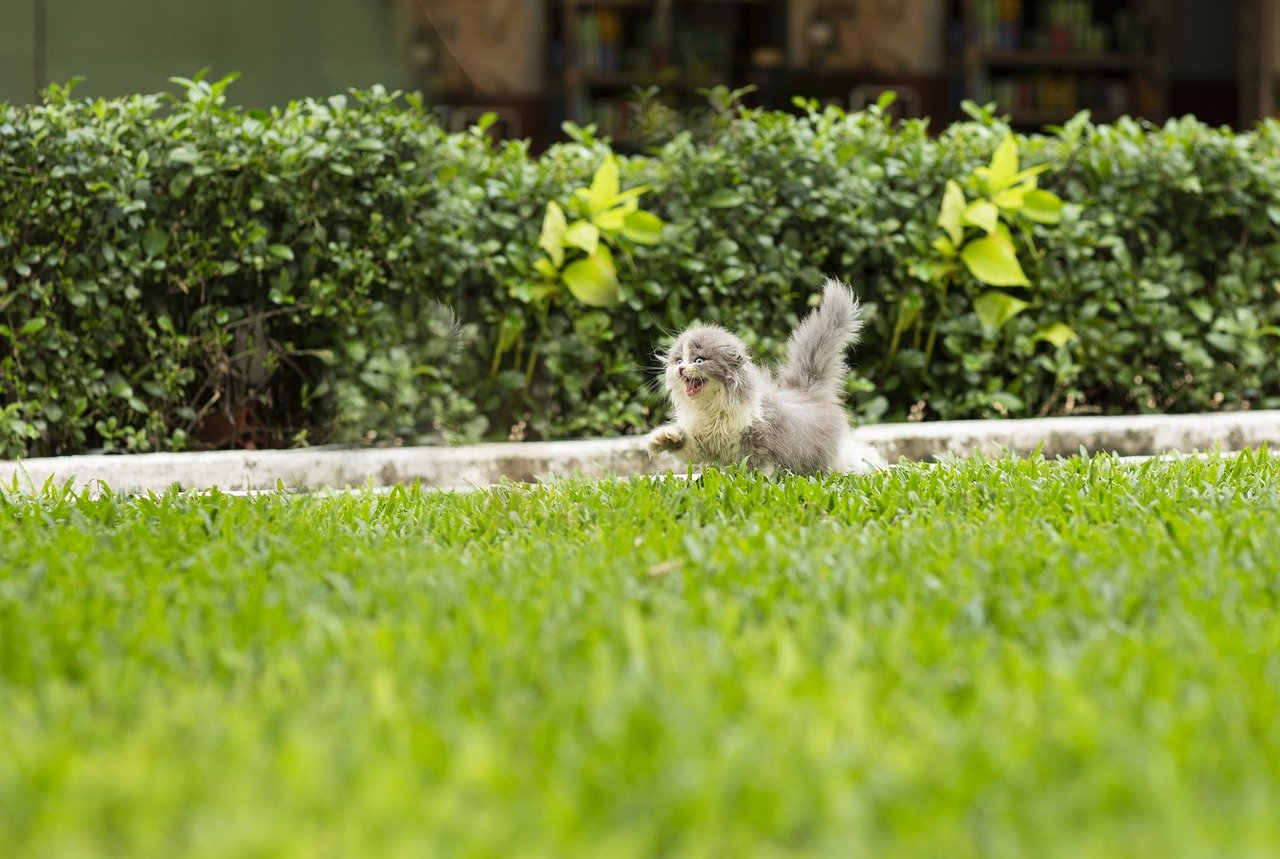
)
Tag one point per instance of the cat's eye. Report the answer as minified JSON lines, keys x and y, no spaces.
{"x":698,"y":360}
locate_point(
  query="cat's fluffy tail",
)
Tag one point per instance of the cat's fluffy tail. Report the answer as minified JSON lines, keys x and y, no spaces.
{"x":815,"y":351}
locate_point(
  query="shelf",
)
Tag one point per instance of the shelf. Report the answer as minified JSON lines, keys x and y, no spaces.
{"x":625,"y":79}
{"x":604,"y":4}
{"x":1073,"y":60}
{"x":590,"y":77}
{"x":613,"y":47}
{"x":1068,"y":65}
{"x":608,"y":4}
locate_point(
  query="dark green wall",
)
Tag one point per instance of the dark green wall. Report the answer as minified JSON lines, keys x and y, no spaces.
{"x":17,"y":50}
{"x":284,"y":49}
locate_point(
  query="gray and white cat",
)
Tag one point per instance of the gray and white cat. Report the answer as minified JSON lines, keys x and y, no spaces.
{"x":728,"y":410}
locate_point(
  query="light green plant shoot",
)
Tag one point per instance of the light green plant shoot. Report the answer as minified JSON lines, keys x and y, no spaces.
{"x":580,"y":253}
{"x":979,"y":235}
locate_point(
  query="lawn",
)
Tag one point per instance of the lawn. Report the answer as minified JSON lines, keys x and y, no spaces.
{"x":996,"y":658}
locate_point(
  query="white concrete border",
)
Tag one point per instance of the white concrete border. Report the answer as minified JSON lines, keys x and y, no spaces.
{"x":480,"y":465}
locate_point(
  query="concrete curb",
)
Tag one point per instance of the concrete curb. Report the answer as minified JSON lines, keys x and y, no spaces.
{"x":484,"y":464}
{"x":1135,"y":435}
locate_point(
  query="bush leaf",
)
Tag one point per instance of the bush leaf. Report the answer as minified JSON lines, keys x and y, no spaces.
{"x":1012,"y":199}
{"x":179,"y":184}
{"x":604,"y":185}
{"x":724,"y":199}
{"x":584,"y":235}
{"x":950,"y":218}
{"x":154,"y":241}
{"x":611,"y":220}
{"x":982,"y":214}
{"x":593,"y":280}
{"x":1058,"y":333}
{"x":643,"y":228}
{"x":993,"y":260}
{"x":994,"y":309}
{"x":1043,"y":207}
{"x":551,"y":239}
{"x":1004,"y":165}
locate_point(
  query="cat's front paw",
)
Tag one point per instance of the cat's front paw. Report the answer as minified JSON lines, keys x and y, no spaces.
{"x":666,"y":440}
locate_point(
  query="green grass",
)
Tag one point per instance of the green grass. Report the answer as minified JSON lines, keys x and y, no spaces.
{"x":996,"y":658}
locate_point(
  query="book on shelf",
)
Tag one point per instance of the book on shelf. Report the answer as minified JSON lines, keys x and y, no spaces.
{"x":1048,"y":92}
{"x":998,"y":24}
{"x":610,"y":41}
{"x":1062,"y":26}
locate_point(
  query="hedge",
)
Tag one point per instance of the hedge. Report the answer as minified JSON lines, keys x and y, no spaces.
{"x":176,"y":272}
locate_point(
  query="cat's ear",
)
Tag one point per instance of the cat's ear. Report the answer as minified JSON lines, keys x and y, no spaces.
{"x":736,"y":373}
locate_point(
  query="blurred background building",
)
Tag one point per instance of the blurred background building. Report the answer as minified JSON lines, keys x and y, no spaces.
{"x":537,"y":62}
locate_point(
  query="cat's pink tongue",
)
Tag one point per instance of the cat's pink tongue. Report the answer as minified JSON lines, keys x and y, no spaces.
{"x":693,"y":386}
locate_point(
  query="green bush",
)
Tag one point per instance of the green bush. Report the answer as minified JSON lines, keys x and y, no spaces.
{"x":175,"y":272}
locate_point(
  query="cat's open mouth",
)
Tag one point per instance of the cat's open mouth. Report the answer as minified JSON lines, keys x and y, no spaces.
{"x":693,"y":386}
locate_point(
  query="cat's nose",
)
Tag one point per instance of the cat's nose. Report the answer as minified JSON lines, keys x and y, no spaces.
{"x":680,"y":371}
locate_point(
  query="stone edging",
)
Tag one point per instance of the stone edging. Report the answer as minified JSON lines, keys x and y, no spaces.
{"x":480,"y":465}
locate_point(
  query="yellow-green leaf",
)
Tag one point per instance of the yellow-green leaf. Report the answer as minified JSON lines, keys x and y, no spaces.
{"x":546,"y":268}
{"x":593,"y":280}
{"x":1029,"y":175}
{"x":604,"y":185}
{"x":551,"y":239}
{"x":1011,"y":199}
{"x":943,"y":245}
{"x":982,"y":214}
{"x":933,"y":271}
{"x":584,"y":235}
{"x":1043,"y":207}
{"x":611,"y":220}
{"x":953,"y":205}
{"x":643,"y":228}
{"x":629,"y":196}
{"x":1058,"y":333}
{"x":994,"y":309}
{"x":1004,"y":165}
{"x":993,"y":259}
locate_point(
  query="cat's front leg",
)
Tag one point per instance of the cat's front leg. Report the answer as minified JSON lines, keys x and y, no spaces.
{"x":666,"y":439}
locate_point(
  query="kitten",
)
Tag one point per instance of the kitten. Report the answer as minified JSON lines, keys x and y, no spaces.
{"x":728,"y":410}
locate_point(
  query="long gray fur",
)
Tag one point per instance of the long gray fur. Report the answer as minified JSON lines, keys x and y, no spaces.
{"x":728,"y":409}
{"x":815,"y":350}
